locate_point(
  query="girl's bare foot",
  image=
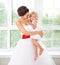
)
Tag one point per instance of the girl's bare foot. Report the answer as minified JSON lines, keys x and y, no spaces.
{"x":41,"y":51}
{"x":35,"y":57}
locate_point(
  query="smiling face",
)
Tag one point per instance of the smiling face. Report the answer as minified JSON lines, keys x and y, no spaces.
{"x":34,"y":16}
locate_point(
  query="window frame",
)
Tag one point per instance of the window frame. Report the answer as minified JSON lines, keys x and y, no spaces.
{"x":10,"y":27}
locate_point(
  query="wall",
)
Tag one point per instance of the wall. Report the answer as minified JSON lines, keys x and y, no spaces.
{"x":5,"y":60}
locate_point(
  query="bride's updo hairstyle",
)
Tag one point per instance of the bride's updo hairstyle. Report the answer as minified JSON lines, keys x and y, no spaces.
{"x":22,"y":10}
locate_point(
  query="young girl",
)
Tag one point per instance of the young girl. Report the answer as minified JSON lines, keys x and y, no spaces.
{"x":35,"y":38}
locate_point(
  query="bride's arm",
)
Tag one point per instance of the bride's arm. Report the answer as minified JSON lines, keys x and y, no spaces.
{"x":22,"y":29}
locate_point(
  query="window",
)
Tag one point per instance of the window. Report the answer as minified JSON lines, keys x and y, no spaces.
{"x":9,"y":33}
{"x":51,"y":23}
{"x":3,"y":24}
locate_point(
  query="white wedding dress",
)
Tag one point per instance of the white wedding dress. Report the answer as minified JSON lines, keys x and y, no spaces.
{"x":24,"y":54}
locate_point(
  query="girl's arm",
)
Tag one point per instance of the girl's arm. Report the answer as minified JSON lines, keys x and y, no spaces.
{"x":34,"y":25}
{"x":22,"y":29}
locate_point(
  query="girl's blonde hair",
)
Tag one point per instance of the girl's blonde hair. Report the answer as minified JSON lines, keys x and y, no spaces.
{"x":35,"y":14}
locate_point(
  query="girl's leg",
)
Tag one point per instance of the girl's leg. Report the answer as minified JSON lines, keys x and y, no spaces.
{"x":35,"y":42}
{"x":41,"y":51}
{"x":35,"y":51}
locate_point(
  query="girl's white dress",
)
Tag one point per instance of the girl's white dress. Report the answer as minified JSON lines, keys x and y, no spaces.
{"x":24,"y":53}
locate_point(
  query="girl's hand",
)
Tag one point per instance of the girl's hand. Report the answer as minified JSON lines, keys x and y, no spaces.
{"x":34,"y":25}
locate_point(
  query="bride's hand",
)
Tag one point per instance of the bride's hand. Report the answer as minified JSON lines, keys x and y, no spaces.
{"x":40,"y":33}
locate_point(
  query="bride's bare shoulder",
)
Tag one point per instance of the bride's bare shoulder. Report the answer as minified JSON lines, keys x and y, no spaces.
{"x":19,"y":21}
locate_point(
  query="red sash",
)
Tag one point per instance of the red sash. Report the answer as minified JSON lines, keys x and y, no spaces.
{"x":25,"y":36}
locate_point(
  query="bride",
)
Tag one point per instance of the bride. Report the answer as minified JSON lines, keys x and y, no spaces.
{"x":24,"y":52}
